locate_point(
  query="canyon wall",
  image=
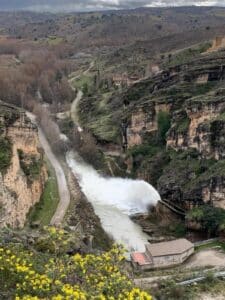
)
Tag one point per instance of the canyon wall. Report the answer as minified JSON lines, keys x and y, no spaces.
{"x":143,"y":121}
{"x":189,"y":168}
{"x":172,"y":127}
{"x":202,"y":127}
{"x":22,"y":183}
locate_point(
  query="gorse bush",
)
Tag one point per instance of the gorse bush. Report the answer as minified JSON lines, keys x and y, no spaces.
{"x":30,"y":275}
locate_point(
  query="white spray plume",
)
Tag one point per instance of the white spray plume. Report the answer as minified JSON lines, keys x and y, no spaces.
{"x":114,"y":200}
{"x":129,"y":196}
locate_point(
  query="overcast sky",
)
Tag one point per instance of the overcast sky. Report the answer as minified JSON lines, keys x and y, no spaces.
{"x":87,"y":5}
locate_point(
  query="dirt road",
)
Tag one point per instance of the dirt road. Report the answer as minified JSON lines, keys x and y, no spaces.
{"x":64,"y":193}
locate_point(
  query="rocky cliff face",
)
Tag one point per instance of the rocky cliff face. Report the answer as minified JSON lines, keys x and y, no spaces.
{"x":22,"y":182}
{"x":199,"y":126}
{"x":143,"y":121}
{"x":174,"y":126}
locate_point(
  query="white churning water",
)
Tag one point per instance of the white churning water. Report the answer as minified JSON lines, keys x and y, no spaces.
{"x":114,"y":200}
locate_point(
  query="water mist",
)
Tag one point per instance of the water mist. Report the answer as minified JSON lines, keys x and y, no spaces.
{"x":114,"y":200}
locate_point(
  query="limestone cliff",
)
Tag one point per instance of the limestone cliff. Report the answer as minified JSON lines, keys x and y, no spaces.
{"x":22,"y":181}
{"x":199,"y":126}
{"x":173,"y":127}
{"x":143,"y":121}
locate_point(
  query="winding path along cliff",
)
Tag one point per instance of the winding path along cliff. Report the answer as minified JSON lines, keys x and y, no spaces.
{"x":64,"y":193}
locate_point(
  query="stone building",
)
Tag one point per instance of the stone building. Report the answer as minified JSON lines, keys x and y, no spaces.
{"x":162,"y":255}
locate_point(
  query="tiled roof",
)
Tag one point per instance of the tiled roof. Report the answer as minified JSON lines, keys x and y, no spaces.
{"x":169,"y":248}
{"x":140,"y":258}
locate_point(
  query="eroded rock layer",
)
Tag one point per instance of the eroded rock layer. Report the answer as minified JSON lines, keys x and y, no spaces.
{"x":23,"y":177}
{"x":172,"y":126}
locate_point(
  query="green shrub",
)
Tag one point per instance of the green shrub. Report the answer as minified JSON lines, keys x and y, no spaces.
{"x":46,"y":271}
{"x":179,"y":230}
{"x":211,"y":218}
{"x":164,"y":123}
{"x":144,"y":150}
{"x":183,"y":125}
{"x":66,"y":126}
{"x":5,"y":154}
{"x":30,"y":164}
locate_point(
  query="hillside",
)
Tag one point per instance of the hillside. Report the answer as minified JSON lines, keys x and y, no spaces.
{"x":172,"y":125}
{"x":115,"y":28}
{"x":124,"y":143}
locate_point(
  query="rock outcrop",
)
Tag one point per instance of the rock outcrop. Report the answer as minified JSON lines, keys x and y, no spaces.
{"x":188,"y":169}
{"x":173,"y":126}
{"x":22,"y":183}
{"x":197,"y":127}
{"x":143,"y":121}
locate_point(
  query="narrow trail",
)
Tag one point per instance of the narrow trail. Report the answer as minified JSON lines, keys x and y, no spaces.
{"x":90,"y":67}
{"x":64,"y":193}
{"x":75,"y":103}
{"x":74,"y":107}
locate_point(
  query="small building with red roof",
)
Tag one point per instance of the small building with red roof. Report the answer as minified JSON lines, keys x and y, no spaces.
{"x":162,"y":255}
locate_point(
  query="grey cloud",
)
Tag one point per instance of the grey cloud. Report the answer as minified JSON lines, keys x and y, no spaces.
{"x":87,"y":5}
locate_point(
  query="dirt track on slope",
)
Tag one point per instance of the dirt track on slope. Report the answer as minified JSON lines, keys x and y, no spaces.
{"x":64,"y":193}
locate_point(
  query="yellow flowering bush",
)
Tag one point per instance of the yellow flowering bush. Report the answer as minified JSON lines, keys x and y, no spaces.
{"x":30,"y":275}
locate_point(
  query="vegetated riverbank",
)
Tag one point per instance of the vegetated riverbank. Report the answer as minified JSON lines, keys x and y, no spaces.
{"x":42,"y":213}
{"x":73,"y":210}
{"x":64,"y":194}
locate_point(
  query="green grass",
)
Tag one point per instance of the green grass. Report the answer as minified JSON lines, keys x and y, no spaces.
{"x":210,"y":245}
{"x":183,"y":125}
{"x":43,"y":211}
{"x":221,"y":117}
{"x":83,"y":81}
{"x":54,"y":40}
{"x":186,"y":55}
{"x":104,"y":128}
{"x":103,"y":102}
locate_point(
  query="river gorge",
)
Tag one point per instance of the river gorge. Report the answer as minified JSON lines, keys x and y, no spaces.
{"x":114,"y":201}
